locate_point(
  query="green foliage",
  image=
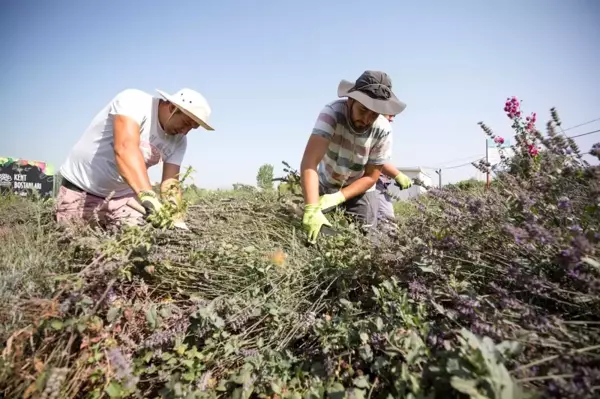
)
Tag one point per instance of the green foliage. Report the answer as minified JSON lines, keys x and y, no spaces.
{"x":264,"y":177}
{"x":473,"y":185}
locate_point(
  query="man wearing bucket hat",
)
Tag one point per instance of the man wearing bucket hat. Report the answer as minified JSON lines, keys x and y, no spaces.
{"x":106,"y":173}
{"x":343,"y":159}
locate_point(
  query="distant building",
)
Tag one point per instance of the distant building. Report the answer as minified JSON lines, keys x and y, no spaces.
{"x":414,"y":191}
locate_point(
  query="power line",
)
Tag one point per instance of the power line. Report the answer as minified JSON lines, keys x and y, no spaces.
{"x":475,"y":160}
{"x":584,"y":134}
{"x":463,"y":164}
{"x":456,"y":160}
{"x":581,"y":124}
{"x":478,"y":155}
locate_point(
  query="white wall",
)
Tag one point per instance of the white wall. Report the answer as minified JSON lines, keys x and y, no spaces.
{"x":413,"y":191}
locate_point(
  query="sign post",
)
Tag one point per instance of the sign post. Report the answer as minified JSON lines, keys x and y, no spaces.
{"x":25,"y":178}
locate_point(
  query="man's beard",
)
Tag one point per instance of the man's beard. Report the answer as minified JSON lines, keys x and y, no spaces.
{"x":357,"y":129}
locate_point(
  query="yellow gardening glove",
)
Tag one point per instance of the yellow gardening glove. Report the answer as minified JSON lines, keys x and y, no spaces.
{"x":328,"y":201}
{"x":149,"y":201}
{"x":313,"y":220}
{"x":151,"y":204}
{"x":403,"y":181}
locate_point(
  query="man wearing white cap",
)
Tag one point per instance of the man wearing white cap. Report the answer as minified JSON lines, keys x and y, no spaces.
{"x":106,"y":172}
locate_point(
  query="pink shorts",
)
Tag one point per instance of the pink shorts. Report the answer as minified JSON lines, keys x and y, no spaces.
{"x":73,"y":205}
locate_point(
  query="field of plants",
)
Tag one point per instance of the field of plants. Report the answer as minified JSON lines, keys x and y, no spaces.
{"x":478,"y":293}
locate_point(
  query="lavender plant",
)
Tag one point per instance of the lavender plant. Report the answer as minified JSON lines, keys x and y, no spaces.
{"x":482,"y":293}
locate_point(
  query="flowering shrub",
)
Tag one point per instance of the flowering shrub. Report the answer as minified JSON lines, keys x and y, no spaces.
{"x":482,"y":293}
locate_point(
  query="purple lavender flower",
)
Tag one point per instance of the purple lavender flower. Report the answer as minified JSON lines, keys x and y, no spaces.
{"x":111,"y":296}
{"x":518,"y":234}
{"x":417,"y":290}
{"x":122,"y":367}
{"x":474,"y":205}
{"x":377,"y":340}
{"x":576,"y":229}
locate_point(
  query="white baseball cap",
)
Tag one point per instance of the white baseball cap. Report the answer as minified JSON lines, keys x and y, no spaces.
{"x":191,"y":103}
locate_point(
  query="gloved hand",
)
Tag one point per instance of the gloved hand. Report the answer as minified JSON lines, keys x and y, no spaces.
{"x":328,"y":201}
{"x":403,"y":181}
{"x":313,"y":220}
{"x":149,"y":201}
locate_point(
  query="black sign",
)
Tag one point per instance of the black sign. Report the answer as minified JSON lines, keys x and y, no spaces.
{"x":25,"y":180}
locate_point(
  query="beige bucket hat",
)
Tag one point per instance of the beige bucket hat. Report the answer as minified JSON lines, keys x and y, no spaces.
{"x":191,"y":103}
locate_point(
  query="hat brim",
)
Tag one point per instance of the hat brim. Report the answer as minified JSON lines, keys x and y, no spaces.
{"x":185,"y":110}
{"x":392,"y":106}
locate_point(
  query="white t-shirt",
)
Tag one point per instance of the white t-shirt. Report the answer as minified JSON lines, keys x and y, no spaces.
{"x":91,"y":164}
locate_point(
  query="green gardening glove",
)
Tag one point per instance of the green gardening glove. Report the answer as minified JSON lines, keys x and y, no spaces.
{"x":403,"y":181}
{"x":313,"y":220}
{"x":329,"y":201}
{"x":149,"y":201}
{"x":151,"y":205}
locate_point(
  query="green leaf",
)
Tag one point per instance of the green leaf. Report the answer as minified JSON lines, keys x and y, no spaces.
{"x":509,"y":348}
{"x":189,"y":363}
{"x":365,"y":353}
{"x":468,"y":387}
{"x":346,"y":303}
{"x":379,"y":324}
{"x":165,"y":312}
{"x":376,"y":291}
{"x":276,"y":387}
{"x":427,"y":269}
{"x":56,"y":324}
{"x":364,"y":337}
{"x":151,"y":316}
{"x":356,"y":393}
{"x":114,"y":390}
{"x":361,"y":382}
{"x":336,"y":391}
{"x":189,"y":376}
{"x":112,"y":314}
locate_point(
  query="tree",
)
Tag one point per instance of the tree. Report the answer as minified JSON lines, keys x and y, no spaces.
{"x":264,"y":177}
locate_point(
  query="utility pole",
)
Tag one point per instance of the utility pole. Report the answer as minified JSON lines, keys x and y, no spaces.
{"x":487,"y":161}
{"x":439,"y":172}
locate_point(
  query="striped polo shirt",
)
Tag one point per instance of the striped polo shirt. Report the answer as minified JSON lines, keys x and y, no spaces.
{"x":348,"y":151}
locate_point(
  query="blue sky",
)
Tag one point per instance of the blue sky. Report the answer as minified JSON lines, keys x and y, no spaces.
{"x":268,"y":67}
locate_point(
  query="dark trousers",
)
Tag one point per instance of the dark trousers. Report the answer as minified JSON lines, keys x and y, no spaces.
{"x":363,"y":208}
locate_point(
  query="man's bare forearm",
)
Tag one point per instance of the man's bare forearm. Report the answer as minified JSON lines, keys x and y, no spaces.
{"x":390,"y":170}
{"x":309,"y":179}
{"x":132,"y":167}
{"x":358,"y":187}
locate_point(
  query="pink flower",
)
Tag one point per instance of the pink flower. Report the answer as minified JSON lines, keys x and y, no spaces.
{"x":511,"y":107}
{"x":532,"y":150}
{"x":499,"y":140}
